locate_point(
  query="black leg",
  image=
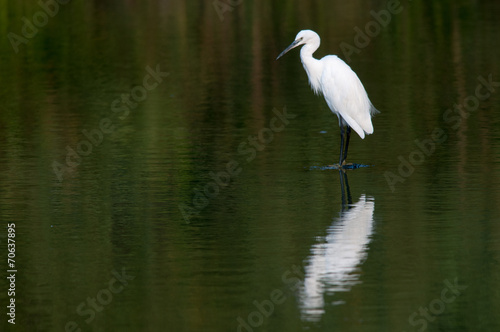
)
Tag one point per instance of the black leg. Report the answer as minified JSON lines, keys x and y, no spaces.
{"x":345,"y":191}
{"x":342,"y":190}
{"x":348,"y":136}
{"x":348,"y":190}
{"x":341,"y":144}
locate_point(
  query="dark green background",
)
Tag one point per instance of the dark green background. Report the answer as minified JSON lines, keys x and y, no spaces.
{"x":119,"y":208}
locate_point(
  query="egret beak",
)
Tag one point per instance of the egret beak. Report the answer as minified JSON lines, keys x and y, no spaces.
{"x":292,"y":45}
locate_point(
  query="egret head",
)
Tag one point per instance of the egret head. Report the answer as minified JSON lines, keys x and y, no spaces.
{"x":302,"y":38}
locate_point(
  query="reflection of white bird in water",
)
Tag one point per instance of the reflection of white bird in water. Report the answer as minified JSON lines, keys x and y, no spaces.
{"x":334,"y":259}
{"x":343,"y":91}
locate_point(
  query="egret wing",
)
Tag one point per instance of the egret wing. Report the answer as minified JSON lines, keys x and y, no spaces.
{"x":346,"y":96}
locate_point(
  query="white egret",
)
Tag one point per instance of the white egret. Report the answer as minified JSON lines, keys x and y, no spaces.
{"x":343,"y":91}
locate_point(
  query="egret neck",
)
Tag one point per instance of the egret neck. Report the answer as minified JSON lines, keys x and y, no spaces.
{"x":312,"y":66}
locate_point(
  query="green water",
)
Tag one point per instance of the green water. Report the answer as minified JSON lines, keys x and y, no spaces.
{"x":165,"y":173}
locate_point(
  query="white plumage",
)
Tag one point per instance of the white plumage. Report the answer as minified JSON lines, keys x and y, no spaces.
{"x":346,"y":96}
{"x":343,"y":91}
{"x":333,"y":262}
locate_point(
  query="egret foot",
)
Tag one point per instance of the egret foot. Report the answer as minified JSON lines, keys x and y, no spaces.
{"x":335,"y":166}
{"x":340,"y":167}
{"x":343,"y":166}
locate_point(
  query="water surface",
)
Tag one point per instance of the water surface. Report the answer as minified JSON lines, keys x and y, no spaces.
{"x":162,"y":101}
